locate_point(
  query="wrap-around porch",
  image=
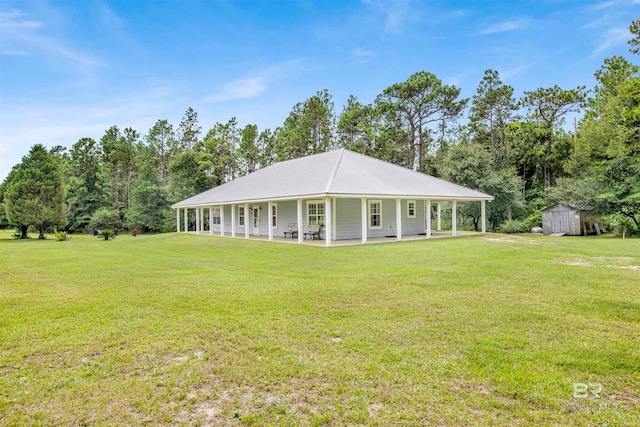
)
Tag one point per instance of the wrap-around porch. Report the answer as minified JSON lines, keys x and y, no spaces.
{"x":343,"y":221}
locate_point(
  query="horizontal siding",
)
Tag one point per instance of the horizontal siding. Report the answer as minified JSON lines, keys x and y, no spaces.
{"x":348,"y":218}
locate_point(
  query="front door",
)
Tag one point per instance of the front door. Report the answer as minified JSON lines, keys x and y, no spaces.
{"x":256,"y":221}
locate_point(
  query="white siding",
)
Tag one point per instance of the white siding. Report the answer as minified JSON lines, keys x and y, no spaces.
{"x":348,"y":219}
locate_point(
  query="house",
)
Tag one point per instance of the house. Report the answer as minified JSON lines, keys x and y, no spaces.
{"x":349,"y":195}
{"x":565,"y":218}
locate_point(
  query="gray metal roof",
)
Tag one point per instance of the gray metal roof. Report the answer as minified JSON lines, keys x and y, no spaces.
{"x":339,"y":173}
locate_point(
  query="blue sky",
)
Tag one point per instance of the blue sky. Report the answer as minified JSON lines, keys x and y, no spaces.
{"x":72,"y":69}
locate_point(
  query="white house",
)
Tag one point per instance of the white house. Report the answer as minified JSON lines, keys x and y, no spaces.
{"x":350,"y":195}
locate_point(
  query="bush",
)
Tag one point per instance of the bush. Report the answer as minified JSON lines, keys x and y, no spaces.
{"x":514,"y":227}
{"x":61,"y":235}
{"x":533,"y":220}
{"x":107,"y":234}
{"x":105,"y":218}
{"x":619,"y":225}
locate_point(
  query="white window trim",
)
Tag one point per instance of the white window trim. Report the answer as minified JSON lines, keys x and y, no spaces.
{"x":274,"y":207}
{"x":241,"y":216}
{"x":415,"y":209}
{"x":216,"y":217}
{"x":317,"y":202}
{"x":371,"y":202}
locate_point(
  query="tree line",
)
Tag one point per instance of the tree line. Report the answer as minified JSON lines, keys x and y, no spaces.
{"x":515,"y":149}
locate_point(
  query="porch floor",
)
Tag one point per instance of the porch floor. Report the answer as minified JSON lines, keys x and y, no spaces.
{"x":345,"y":242}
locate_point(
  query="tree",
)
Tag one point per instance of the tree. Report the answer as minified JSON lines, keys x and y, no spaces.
{"x":217,"y":152}
{"x":36,"y":193}
{"x":186,"y":178}
{"x":119,"y":164}
{"x":308,"y":129}
{"x":357,"y":127}
{"x":84,"y":195}
{"x":248,"y":152}
{"x":548,"y":106}
{"x":162,"y":138}
{"x":189,"y":129}
{"x":607,"y":155}
{"x":267,"y":141}
{"x":149,"y":206}
{"x":635,"y":41}
{"x":470,"y":165}
{"x":413,"y":105}
{"x":492,"y":107}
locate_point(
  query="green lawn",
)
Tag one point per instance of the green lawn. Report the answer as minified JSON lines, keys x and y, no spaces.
{"x":191,"y":330}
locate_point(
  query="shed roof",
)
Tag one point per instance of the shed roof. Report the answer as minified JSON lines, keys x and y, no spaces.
{"x":338,"y":173}
{"x":573,"y":206}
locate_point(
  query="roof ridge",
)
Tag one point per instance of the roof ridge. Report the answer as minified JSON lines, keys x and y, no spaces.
{"x":334,"y":171}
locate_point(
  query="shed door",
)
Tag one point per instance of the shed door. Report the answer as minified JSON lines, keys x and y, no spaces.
{"x":561,"y":222}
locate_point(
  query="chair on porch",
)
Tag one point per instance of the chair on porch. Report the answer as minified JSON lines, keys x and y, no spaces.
{"x":312,"y":232}
{"x":292,"y":230}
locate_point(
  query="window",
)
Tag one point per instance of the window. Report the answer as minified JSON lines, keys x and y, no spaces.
{"x":411,"y":208}
{"x":241,"y":216}
{"x":216,"y":216}
{"x":274,"y":215}
{"x":375,"y":214}
{"x":315,"y":213}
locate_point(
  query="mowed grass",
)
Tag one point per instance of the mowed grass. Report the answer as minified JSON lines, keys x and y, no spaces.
{"x":190,"y":330}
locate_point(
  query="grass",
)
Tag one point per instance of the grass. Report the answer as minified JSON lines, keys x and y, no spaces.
{"x":191,"y":330}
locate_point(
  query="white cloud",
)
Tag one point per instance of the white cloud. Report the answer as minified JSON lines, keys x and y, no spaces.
{"x":613,"y":4}
{"x":502,"y":27}
{"x":255,"y":83}
{"x":239,"y":89}
{"x":19,"y":35}
{"x":614,"y":37}
{"x":362,"y":53}
{"x":395,"y":13}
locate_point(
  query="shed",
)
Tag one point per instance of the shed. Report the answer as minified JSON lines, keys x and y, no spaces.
{"x":564,"y":218}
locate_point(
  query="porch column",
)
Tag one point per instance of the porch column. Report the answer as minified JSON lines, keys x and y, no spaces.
{"x":334,"y":204}
{"x":177,"y":220}
{"x":246,"y":220}
{"x":363,"y":204}
{"x":427,"y":213}
{"x":201,"y":219}
{"x":197,"y":220}
{"x":222,"y":221}
{"x":398,"y":219}
{"x":438,"y":218}
{"x":210,"y":220}
{"x":453,"y":218}
{"x":328,"y":220}
{"x":186,"y":219}
{"x":484,"y":215}
{"x":233,"y":220}
{"x":300,"y":229}
{"x":270,"y":220}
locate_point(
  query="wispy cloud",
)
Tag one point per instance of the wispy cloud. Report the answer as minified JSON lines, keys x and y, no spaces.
{"x":502,"y":27}
{"x":445,"y":17}
{"x":362,"y":53}
{"x":18,"y":35}
{"x":613,"y":4}
{"x":239,"y":89}
{"x":255,"y":83}
{"x":395,"y":13}
{"x":613,"y":37}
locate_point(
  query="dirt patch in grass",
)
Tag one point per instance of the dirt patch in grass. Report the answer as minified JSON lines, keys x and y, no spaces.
{"x":524,"y":240}
{"x":584,"y":263}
